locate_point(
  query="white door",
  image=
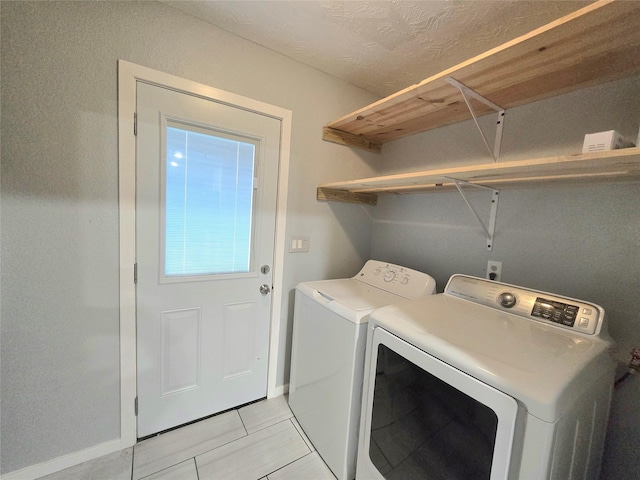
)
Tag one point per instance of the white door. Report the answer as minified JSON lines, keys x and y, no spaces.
{"x":206,"y":184}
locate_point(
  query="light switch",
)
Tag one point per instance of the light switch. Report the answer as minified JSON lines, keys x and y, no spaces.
{"x":298,"y":244}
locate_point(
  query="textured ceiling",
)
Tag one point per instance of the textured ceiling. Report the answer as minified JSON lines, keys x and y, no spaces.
{"x":380,"y":46}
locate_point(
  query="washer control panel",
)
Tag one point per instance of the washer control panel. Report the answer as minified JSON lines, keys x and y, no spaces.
{"x":395,"y":279}
{"x":543,"y":307}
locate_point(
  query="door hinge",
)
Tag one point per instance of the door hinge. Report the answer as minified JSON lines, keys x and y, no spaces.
{"x":135,"y":123}
{"x":135,"y":406}
{"x":135,"y":273}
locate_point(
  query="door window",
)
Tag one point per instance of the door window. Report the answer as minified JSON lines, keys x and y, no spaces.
{"x":208,"y":201}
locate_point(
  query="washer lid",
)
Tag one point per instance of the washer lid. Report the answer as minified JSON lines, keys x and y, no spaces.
{"x":545,"y":367}
{"x":348,"y":297}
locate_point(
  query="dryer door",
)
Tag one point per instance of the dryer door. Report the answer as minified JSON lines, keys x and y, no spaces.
{"x":423,"y":418}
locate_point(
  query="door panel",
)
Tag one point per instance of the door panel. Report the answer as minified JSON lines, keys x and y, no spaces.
{"x":239,"y":339}
{"x":180,"y":352}
{"x":206,"y":183}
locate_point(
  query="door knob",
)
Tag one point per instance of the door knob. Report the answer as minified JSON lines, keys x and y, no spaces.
{"x":264,"y":289}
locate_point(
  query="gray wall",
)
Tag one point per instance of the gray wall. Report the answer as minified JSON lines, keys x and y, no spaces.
{"x":59,"y":351}
{"x":581,"y":241}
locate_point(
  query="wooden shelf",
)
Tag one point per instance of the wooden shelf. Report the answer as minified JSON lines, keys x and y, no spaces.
{"x":596,"y":44}
{"x":616,"y":165}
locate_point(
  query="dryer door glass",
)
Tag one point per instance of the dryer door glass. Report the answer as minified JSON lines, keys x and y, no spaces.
{"x":429,"y":420}
{"x":421,"y":424}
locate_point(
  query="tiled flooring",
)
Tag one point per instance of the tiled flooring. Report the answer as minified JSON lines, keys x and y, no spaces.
{"x":262,"y":441}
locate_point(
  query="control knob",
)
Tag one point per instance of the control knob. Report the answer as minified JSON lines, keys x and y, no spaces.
{"x":507,"y":299}
{"x":390,"y":276}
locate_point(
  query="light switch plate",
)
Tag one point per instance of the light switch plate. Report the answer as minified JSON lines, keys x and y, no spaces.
{"x":298,"y":244}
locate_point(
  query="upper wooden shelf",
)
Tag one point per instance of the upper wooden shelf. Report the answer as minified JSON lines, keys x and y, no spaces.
{"x":596,"y":44}
{"x":614,"y":165}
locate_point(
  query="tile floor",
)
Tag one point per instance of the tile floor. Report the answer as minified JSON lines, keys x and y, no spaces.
{"x":261,"y":441}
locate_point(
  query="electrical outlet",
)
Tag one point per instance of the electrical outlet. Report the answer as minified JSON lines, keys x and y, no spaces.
{"x":494,"y":270}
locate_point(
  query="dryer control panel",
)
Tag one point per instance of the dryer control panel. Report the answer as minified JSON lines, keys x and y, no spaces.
{"x":535,"y":305}
{"x":555,"y":311}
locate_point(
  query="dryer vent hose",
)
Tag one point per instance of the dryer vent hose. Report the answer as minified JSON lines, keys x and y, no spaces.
{"x":634,"y":366}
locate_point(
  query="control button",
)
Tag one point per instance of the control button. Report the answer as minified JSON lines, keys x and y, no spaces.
{"x":587,"y":311}
{"x":584,"y":322}
{"x":390,"y":276}
{"x":507,"y":300}
{"x":404,"y":281}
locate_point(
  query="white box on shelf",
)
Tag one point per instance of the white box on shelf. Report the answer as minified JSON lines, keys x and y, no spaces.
{"x":601,"y":141}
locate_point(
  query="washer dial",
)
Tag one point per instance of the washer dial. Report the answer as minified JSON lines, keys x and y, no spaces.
{"x":389,"y":276}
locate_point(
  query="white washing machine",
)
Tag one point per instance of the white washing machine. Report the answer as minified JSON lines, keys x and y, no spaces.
{"x":486,"y":381}
{"x":327,"y":353}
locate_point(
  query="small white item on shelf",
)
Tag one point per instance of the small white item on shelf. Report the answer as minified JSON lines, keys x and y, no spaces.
{"x":602,"y":141}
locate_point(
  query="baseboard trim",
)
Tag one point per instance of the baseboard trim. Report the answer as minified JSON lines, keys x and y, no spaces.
{"x":60,"y":463}
{"x":280,"y":390}
{"x":76,"y":458}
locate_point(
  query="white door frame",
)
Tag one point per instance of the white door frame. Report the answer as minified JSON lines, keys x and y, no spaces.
{"x":128,"y":75}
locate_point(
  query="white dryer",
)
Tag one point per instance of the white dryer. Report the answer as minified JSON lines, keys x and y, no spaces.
{"x":327,"y":353}
{"x":486,"y":381}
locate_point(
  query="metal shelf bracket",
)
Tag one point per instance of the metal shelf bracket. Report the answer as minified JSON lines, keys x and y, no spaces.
{"x":466,"y":93}
{"x":495,"y":195}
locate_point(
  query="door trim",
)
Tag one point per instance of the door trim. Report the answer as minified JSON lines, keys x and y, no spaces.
{"x":128,"y":75}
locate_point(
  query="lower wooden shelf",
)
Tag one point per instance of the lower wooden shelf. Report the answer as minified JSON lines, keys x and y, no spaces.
{"x":611,"y":166}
